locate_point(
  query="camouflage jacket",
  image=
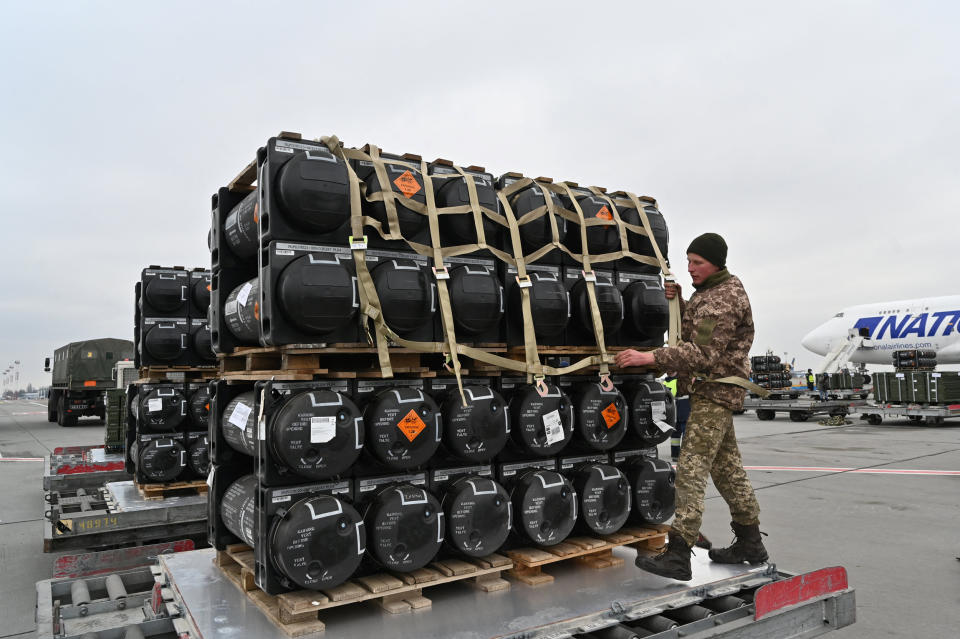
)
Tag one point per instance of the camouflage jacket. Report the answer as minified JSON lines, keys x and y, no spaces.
{"x":716,"y":334}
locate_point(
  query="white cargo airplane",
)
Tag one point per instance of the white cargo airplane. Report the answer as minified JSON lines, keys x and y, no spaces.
{"x":869,"y":333}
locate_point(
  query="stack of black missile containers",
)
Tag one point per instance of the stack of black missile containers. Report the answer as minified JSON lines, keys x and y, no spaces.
{"x":166,"y":431}
{"x":328,"y":478}
{"x":769,"y":372}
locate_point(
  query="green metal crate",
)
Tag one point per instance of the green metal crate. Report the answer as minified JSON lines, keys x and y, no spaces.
{"x":116,"y":418}
{"x":918,"y":386}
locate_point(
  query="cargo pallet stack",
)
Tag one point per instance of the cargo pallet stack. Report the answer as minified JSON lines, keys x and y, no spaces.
{"x":915,"y":390}
{"x":769,"y":373}
{"x":916,"y":381}
{"x":414,"y":382}
{"x":167,"y":407}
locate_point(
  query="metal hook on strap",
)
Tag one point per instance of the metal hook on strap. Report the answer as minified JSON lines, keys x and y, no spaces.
{"x":606,"y":384}
{"x":539,"y":382}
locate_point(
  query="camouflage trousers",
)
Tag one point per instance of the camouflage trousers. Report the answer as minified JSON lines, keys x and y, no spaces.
{"x":710,"y":449}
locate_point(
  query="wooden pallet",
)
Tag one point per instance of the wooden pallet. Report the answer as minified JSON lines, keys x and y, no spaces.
{"x":593,"y":552}
{"x":172,"y":489}
{"x":343,"y":361}
{"x":296,"y":613}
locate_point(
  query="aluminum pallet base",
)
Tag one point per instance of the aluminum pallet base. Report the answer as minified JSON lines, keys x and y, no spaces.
{"x":116,"y":515}
{"x":929,"y":413}
{"x":579,"y":601}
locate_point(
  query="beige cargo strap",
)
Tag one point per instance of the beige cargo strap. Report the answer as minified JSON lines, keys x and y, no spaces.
{"x":735,"y":380}
{"x":369,"y":301}
{"x":442,"y":275}
{"x":523,"y":281}
{"x":673,"y":331}
{"x":389,"y":203}
{"x":590,"y":277}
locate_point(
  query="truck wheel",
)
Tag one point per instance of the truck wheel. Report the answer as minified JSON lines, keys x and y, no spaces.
{"x":799,"y":416}
{"x":765,"y":414}
{"x":52,"y":407}
{"x":875,"y":420}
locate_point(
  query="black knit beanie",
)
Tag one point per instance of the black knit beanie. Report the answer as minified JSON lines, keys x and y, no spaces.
{"x":710,"y":247}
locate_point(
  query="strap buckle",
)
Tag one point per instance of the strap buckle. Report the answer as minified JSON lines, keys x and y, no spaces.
{"x":589,"y":276}
{"x":441,"y":273}
{"x":358,"y":244}
{"x":524,"y":282}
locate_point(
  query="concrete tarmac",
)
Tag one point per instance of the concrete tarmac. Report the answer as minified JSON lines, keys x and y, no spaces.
{"x":896,"y":533}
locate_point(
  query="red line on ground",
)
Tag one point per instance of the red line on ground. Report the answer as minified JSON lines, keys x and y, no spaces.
{"x":867,"y":471}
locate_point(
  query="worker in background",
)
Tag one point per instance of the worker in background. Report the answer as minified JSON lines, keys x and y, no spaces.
{"x":824,"y":386}
{"x":811,"y":379}
{"x":711,"y":358}
{"x":683,"y":413}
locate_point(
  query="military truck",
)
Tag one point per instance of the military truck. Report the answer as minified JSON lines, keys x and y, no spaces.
{"x":82,"y":371}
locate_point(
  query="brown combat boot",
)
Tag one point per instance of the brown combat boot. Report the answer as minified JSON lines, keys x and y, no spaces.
{"x":673,"y":561}
{"x":747,"y":546}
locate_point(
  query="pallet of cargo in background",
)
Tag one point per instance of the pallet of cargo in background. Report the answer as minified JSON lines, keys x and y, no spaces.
{"x":297,"y":613}
{"x":593,"y":552}
{"x":155,"y":374}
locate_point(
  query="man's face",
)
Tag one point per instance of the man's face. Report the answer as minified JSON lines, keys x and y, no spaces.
{"x":699,"y":268}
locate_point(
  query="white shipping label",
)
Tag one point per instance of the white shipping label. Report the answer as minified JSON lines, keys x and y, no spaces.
{"x":658,"y":411}
{"x":244,"y":293}
{"x":155,"y":405}
{"x":239,"y":415}
{"x":934,"y":374}
{"x":322,"y":429}
{"x":554,"y":427}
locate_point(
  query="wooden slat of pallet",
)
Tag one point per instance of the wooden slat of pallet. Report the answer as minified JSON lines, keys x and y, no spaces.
{"x":159,"y":491}
{"x":295,"y":613}
{"x":589,"y":551}
{"x":289,"y":376}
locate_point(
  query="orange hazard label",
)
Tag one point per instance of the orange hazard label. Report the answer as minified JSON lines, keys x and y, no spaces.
{"x":610,"y":415}
{"x":408,"y":184}
{"x":411,"y":425}
{"x":604,"y":213}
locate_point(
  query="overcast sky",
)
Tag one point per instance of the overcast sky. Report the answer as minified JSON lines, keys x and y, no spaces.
{"x":821,"y":139}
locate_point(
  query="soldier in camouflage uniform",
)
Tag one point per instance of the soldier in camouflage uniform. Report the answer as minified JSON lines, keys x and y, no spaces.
{"x":712,"y":361}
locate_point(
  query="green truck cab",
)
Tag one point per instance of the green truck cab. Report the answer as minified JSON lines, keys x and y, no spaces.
{"x":82,"y":371}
